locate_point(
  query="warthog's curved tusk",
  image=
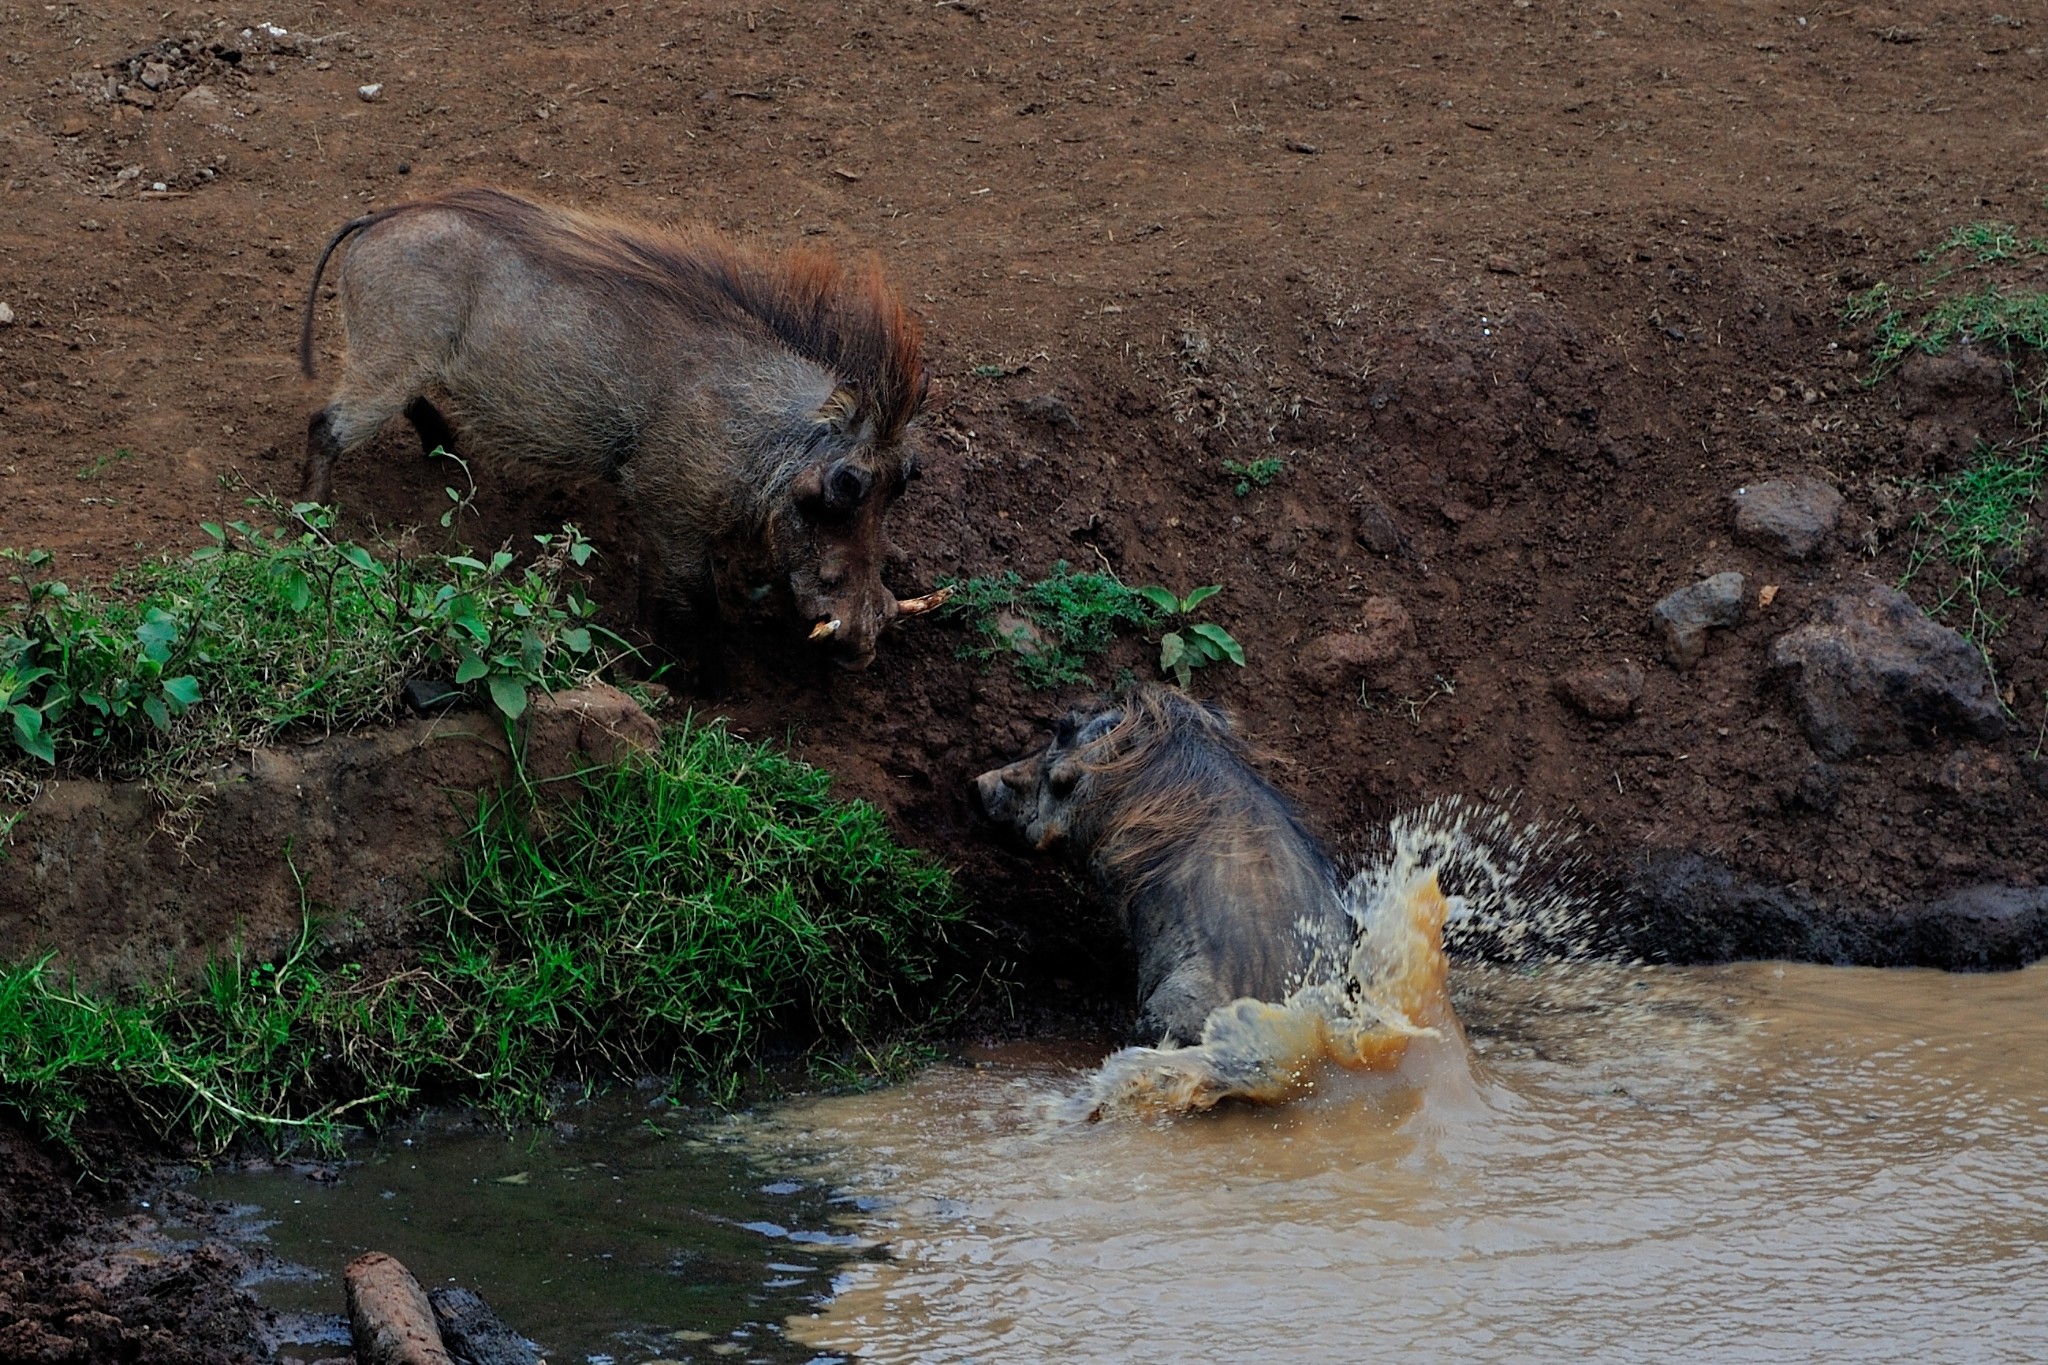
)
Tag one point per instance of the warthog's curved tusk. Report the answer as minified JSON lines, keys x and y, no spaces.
{"x":825,"y":630}
{"x":918,"y":606}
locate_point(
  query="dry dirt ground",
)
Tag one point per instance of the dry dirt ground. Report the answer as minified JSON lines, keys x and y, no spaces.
{"x":1520,"y":291}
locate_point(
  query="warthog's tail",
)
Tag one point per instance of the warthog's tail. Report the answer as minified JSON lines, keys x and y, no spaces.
{"x":354,"y":225}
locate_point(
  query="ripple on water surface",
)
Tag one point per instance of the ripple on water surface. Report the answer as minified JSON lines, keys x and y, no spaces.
{"x":624,"y":1234}
{"x":1744,"y":1163}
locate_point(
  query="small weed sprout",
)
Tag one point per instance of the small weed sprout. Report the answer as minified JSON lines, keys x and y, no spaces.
{"x":1192,"y":644}
{"x":1254,"y":473}
{"x":100,"y":464}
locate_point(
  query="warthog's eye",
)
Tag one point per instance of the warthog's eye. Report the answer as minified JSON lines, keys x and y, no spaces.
{"x":913,"y":468}
{"x":833,"y":493}
{"x":845,"y":486}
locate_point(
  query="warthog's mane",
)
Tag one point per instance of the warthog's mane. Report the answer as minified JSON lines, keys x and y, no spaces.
{"x":846,"y":320}
{"x":1171,"y":774}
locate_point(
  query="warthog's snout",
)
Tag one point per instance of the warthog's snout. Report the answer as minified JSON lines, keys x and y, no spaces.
{"x":993,"y":797}
{"x":855,"y":647}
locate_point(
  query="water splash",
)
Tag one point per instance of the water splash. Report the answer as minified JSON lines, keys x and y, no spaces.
{"x":1470,"y":874}
{"x":1521,"y":888}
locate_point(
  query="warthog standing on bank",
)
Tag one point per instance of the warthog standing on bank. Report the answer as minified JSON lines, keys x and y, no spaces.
{"x":1224,"y":894}
{"x":746,"y":404}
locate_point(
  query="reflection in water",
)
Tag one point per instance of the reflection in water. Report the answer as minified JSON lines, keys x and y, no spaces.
{"x":624,"y":1234}
{"x":1745,"y":1163}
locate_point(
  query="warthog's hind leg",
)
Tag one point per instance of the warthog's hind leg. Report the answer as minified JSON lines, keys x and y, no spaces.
{"x":433,"y":429}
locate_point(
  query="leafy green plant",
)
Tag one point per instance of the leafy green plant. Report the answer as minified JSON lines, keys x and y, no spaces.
{"x":259,"y":633}
{"x":78,"y":675}
{"x":1052,"y":627}
{"x":685,"y":913}
{"x":1049,"y":628}
{"x":1192,"y":644}
{"x":1254,"y":473}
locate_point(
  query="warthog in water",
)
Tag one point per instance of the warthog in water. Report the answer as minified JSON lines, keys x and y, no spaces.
{"x":1224,"y":894}
{"x":746,"y":404}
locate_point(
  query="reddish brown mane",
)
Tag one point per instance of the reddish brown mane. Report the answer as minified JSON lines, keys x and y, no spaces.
{"x":847,"y":321}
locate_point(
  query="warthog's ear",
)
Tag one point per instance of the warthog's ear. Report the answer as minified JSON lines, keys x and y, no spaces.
{"x":1062,"y":777}
{"x":841,"y":411}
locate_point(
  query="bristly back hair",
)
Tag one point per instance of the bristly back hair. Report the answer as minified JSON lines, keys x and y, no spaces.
{"x":847,"y":321}
{"x":1157,"y":771}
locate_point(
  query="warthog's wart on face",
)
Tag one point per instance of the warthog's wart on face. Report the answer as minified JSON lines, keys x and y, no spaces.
{"x":745,"y":403}
{"x":1224,"y":893}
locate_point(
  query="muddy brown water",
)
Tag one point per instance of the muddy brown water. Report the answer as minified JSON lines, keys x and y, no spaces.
{"x":1756,"y":1162}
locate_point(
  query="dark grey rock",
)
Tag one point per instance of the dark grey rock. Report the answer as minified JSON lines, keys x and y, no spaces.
{"x":1870,"y":674}
{"x":1792,"y":517}
{"x":1374,"y":526}
{"x":430,"y":696}
{"x":1683,"y":619}
{"x":1684,"y":907}
{"x":473,"y":1334}
{"x":1608,"y":693}
{"x":1046,"y":408}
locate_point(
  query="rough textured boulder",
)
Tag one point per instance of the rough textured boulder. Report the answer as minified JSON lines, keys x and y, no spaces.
{"x":358,"y":824}
{"x":1375,"y":528}
{"x":474,"y":1334}
{"x":1683,"y":619}
{"x":1684,"y":907}
{"x":1608,"y":693}
{"x":1792,"y":517}
{"x":1869,"y":673}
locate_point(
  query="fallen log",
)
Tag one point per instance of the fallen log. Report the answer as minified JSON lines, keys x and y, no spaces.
{"x":389,"y":1316}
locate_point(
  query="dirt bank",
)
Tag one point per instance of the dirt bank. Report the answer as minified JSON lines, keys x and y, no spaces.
{"x":1520,"y":294}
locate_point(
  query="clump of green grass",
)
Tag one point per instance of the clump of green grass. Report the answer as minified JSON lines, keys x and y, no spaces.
{"x":690,"y":906}
{"x":687,"y":911}
{"x":1979,"y":523}
{"x":1050,"y":628}
{"x":1978,"y":528}
{"x":1905,"y":321}
{"x":1254,"y":473}
{"x":261,"y":633}
{"x":1933,"y":312}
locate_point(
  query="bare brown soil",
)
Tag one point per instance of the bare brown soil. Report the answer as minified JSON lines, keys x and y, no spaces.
{"x":1521,"y":293}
